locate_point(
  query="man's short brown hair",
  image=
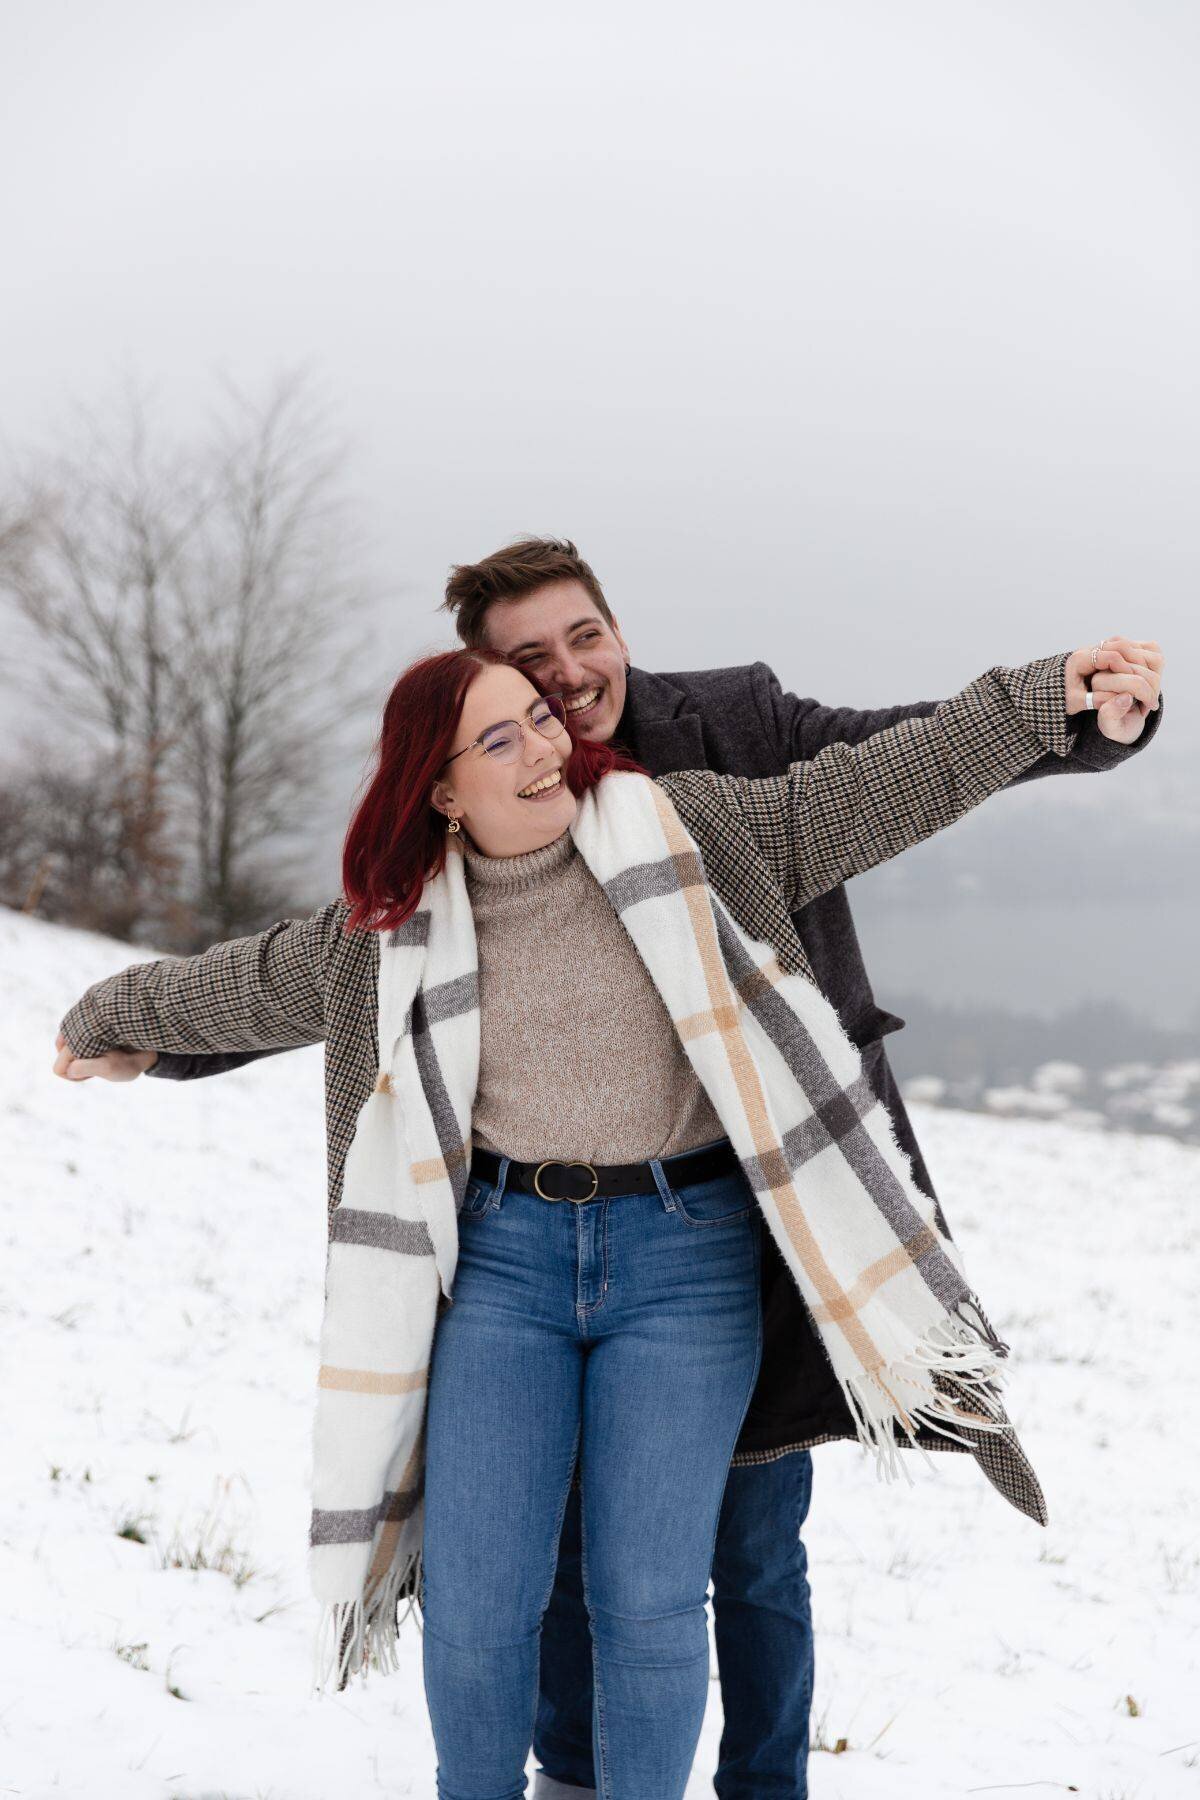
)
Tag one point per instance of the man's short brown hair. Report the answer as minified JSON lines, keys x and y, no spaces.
{"x":510,"y":574}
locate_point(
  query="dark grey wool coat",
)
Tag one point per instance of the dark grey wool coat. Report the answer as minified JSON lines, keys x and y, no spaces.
{"x":739,"y":721}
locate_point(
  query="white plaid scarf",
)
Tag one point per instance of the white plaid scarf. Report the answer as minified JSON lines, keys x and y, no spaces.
{"x":884,"y":1286}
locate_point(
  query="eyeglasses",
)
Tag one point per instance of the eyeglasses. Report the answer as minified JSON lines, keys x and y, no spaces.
{"x":504,"y":741}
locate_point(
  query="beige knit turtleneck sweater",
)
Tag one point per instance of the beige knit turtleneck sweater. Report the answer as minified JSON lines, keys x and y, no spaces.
{"x":578,"y":1058}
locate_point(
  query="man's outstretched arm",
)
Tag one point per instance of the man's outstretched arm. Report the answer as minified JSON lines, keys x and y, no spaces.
{"x":852,"y":807}
{"x":801,"y":728}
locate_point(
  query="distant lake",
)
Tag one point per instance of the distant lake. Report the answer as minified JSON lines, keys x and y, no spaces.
{"x":1034,"y":957}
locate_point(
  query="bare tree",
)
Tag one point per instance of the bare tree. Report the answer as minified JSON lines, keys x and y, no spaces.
{"x":94,"y":576}
{"x":193,"y":619}
{"x":278,"y":667}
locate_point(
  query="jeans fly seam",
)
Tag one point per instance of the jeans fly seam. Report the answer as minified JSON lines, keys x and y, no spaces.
{"x":585,"y":1308}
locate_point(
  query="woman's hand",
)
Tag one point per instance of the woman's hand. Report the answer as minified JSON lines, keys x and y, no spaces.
{"x":1124,"y":677}
{"x":114,"y":1065}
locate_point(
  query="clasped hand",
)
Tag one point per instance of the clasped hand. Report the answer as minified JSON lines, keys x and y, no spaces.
{"x":1124,"y":677}
{"x":114,"y":1065}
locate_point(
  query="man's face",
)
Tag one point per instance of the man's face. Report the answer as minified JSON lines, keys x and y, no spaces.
{"x":559,"y":639}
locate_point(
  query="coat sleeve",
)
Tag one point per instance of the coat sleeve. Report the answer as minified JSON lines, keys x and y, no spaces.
{"x":265,"y":992}
{"x":799,"y":729}
{"x":853,"y":806}
{"x":168,"y":1067}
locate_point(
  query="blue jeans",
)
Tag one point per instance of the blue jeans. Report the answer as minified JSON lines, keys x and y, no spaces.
{"x":762,"y":1621}
{"x":763,"y":1628}
{"x":625,"y":1332}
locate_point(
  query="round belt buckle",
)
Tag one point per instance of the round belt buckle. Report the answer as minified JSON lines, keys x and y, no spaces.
{"x":555,"y":1164}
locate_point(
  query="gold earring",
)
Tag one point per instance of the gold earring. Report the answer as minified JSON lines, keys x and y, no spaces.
{"x":453,"y":826}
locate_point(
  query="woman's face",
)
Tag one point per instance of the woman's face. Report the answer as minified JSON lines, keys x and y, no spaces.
{"x":491,"y":798}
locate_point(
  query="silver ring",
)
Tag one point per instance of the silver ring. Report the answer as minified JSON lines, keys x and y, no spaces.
{"x":1089,"y":701}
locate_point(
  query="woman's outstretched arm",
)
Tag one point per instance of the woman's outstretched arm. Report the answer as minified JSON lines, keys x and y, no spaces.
{"x":856,"y":805}
{"x":264,"y":992}
{"x":801,"y":728}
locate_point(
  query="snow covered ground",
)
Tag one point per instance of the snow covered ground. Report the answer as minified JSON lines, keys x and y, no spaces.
{"x":163,"y":1255}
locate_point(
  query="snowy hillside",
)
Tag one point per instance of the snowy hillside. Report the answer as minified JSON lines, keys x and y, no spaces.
{"x":163,"y":1254}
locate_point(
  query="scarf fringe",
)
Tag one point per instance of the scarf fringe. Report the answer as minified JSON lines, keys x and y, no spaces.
{"x":337,"y":1644}
{"x":963,"y":1350}
{"x":352,"y":1637}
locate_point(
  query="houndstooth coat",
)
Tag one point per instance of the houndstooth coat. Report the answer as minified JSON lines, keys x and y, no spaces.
{"x":769,"y":846}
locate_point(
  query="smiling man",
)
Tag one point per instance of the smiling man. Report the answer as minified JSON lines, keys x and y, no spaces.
{"x":551,"y":633}
{"x":539,"y":604}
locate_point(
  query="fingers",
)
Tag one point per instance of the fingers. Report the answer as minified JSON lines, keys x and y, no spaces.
{"x":1140,"y":650}
{"x":72,"y":1067}
{"x":1122,"y":658}
{"x":1120,"y":718}
{"x":1078,"y":667}
{"x":1116,"y":664}
{"x":66,"y":1060}
{"x":1106,"y":657}
{"x":1142,"y":687}
{"x":1135,"y":655}
{"x":1082,"y":667}
{"x":114,"y":1065}
{"x":81,"y":1068}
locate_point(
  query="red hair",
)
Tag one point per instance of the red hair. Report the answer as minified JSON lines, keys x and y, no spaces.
{"x":396,"y":841}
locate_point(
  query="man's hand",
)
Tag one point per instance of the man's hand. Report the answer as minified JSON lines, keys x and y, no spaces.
{"x":1124,"y":677}
{"x":114,"y":1065}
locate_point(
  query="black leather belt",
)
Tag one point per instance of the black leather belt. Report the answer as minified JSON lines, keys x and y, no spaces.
{"x":580,"y":1181}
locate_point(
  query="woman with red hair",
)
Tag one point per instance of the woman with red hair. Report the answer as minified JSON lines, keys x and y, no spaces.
{"x":576,"y":1066}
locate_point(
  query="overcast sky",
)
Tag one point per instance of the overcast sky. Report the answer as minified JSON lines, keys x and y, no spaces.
{"x":857,"y":336}
{"x":860,"y":336}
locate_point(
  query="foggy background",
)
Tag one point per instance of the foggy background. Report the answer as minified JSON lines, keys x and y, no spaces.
{"x":856,"y":337}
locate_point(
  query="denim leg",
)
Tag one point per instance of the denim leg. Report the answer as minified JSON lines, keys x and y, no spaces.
{"x":636,"y":1320}
{"x":762,"y":1620}
{"x":503,"y":1428}
{"x":666,"y":1388}
{"x":562,"y":1738}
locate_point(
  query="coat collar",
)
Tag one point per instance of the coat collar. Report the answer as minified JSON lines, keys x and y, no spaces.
{"x":660,"y":725}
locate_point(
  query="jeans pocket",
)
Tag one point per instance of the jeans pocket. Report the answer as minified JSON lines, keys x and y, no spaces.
{"x":722,"y":1201}
{"x":480,"y":1198}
